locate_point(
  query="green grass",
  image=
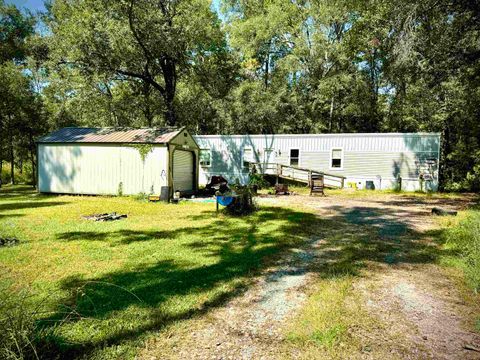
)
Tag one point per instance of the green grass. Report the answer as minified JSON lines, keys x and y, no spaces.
{"x":462,"y":238}
{"x":324,"y":327}
{"x":105,"y":287}
{"x":352,"y":193}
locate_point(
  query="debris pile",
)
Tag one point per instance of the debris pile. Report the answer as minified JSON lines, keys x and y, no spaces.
{"x":8,"y":241}
{"x":104,"y":217}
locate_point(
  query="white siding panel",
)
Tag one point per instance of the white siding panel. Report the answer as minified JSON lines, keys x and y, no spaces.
{"x":366,"y":156}
{"x":99,"y":169}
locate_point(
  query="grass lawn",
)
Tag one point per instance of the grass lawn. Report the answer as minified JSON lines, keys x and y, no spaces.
{"x":103,"y":288}
{"x":100,"y":290}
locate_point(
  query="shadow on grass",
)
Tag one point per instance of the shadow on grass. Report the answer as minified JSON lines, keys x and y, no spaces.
{"x":20,"y":192}
{"x":352,"y":238}
{"x":237,"y":249}
{"x":376,"y":236}
{"x":29,"y":205}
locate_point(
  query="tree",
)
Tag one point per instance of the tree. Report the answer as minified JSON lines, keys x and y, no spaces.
{"x":154,"y":41}
{"x":15,"y":27}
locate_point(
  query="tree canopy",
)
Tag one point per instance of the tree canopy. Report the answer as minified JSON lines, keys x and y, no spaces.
{"x":255,"y":66}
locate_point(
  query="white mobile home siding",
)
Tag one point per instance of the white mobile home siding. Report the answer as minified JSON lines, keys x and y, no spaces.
{"x":100,"y":169}
{"x":381,"y":158}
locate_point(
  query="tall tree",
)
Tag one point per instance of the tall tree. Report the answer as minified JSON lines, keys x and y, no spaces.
{"x":154,"y":41}
{"x":15,"y":27}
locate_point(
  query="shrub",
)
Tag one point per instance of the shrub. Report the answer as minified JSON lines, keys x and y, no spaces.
{"x":259,"y":181}
{"x":20,"y":178}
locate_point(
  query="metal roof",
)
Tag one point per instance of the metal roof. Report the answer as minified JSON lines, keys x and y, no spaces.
{"x":321,"y":135}
{"x":111,"y":135}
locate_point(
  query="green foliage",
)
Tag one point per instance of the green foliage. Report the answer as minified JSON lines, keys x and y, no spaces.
{"x":120,"y":189}
{"x":261,"y":67}
{"x":17,"y":325}
{"x":143,"y":150}
{"x":464,"y":239}
{"x":24,"y":177}
{"x":259,"y":180}
{"x":15,"y":27}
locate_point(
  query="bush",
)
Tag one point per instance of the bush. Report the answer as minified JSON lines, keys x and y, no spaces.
{"x":465,"y":239}
{"x":259,"y":181}
{"x":20,"y":178}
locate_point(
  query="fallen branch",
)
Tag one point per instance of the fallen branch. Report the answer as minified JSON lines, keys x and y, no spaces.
{"x":443,"y":212}
{"x":104,"y":217}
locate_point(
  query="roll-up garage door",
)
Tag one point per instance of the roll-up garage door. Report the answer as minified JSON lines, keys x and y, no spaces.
{"x":182,"y":170}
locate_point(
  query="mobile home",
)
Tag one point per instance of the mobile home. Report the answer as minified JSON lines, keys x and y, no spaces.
{"x":380,"y":160}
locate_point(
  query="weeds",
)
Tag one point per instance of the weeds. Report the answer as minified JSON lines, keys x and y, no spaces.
{"x":464,"y":238}
{"x":17,"y":326}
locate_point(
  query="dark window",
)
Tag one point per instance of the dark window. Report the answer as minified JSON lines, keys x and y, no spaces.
{"x":336,"y":158}
{"x":294,"y":157}
{"x":247,"y":157}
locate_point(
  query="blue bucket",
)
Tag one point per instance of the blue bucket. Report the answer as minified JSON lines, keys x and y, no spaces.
{"x":225,"y":200}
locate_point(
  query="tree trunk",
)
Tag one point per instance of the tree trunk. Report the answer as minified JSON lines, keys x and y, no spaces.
{"x":267,"y":68}
{"x":147,"y":112}
{"x":332,"y":104}
{"x":33,"y":160}
{"x":1,"y":159}
{"x":12,"y":160}
{"x":170,"y":77}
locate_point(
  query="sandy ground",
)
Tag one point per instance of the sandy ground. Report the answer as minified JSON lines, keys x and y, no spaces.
{"x":412,"y":298}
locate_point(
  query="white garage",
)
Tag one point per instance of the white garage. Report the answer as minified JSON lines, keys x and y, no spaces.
{"x":109,"y":161}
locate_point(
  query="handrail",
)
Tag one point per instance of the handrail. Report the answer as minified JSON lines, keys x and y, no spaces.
{"x":309,"y":172}
{"x":312,"y":171}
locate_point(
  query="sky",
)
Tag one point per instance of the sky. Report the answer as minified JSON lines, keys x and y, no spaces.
{"x":36,"y":5}
{"x":33,"y":5}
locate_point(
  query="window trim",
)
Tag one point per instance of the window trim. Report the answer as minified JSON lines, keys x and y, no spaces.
{"x":243,"y":156}
{"x":200,"y":157}
{"x":341,"y":159}
{"x":290,"y":156}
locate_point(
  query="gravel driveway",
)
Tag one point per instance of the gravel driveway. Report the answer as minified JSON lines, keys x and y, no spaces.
{"x":411,"y":295}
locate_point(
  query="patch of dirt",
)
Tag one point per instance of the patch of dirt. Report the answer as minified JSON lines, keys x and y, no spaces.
{"x":424,"y":305}
{"x":415,"y":300}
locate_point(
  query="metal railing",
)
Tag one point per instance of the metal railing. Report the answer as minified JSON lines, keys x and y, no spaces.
{"x":299,"y":174}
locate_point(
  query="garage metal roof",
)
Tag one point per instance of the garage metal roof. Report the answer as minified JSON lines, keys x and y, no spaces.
{"x":111,"y":135}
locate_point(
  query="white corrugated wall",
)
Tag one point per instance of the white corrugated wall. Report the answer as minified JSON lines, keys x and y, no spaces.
{"x":366,"y":156}
{"x":100,"y":169}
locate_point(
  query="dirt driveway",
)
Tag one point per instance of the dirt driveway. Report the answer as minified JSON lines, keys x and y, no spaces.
{"x":387,"y":243}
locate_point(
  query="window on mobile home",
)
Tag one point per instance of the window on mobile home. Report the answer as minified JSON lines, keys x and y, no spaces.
{"x":336,"y":161}
{"x":294,"y":157}
{"x":205,"y":157}
{"x":247,"y":157}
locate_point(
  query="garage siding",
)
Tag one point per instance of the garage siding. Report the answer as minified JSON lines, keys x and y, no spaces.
{"x":100,"y":169}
